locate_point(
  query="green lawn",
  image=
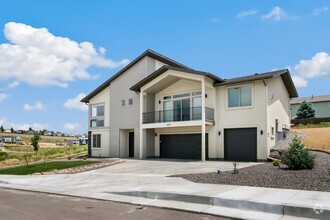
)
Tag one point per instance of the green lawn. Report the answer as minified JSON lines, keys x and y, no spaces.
{"x":37,"y":168}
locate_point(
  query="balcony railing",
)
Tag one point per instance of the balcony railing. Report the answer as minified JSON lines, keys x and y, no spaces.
{"x":179,"y":114}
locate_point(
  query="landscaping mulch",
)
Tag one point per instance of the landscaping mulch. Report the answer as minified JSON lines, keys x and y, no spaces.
{"x":267,"y":175}
{"x":94,"y":166}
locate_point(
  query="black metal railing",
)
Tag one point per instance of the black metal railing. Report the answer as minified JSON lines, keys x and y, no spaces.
{"x":179,"y":114}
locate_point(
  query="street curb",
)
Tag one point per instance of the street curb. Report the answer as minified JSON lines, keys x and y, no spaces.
{"x":277,"y":210}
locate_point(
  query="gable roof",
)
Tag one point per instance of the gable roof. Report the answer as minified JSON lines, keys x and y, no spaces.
{"x":285,"y":75}
{"x":149,"y":53}
{"x":163,"y":69}
{"x":323,"y":98}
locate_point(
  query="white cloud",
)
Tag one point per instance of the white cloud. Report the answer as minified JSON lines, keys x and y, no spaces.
{"x":75,"y":103}
{"x":39,"y":58}
{"x":299,"y":81}
{"x":276,"y":14}
{"x":3,"y":96}
{"x":321,"y":10}
{"x":215,"y":20}
{"x":71,"y":126}
{"x":317,"y":66}
{"x":246,"y":13}
{"x":36,"y":106}
{"x":35,"y":126}
{"x":13,"y":84}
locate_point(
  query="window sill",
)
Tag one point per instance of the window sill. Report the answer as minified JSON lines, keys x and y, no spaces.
{"x":239,"y":108}
{"x":96,"y":148}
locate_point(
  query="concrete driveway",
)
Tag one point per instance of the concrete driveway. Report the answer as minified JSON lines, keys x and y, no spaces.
{"x":132,"y":175}
{"x":160,"y":167}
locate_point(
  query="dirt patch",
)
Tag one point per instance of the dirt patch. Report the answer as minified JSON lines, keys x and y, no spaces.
{"x":267,"y":175}
{"x":316,"y":138}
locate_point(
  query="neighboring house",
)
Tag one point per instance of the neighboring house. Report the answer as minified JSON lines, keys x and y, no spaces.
{"x":157,"y":107}
{"x":7,"y":131}
{"x":321,"y":105}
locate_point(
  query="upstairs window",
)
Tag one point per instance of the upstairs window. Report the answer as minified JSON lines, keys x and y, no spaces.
{"x":97,"y":110}
{"x":97,"y":115}
{"x":130,"y":101}
{"x":240,"y":96}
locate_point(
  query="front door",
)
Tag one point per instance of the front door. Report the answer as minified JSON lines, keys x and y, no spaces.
{"x":131,"y":144}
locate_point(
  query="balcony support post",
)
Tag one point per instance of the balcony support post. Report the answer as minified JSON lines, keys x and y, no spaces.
{"x":141,"y":156}
{"x":203,"y":120}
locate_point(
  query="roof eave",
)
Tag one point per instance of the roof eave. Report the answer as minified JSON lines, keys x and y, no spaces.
{"x":149,"y":53}
{"x":152,"y":76}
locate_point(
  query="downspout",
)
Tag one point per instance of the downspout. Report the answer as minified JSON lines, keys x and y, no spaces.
{"x":266,"y":107}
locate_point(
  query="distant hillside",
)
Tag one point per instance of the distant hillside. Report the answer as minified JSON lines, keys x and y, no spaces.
{"x":44,"y":139}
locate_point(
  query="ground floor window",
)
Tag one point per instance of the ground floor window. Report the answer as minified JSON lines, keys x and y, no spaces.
{"x":96,"y":141}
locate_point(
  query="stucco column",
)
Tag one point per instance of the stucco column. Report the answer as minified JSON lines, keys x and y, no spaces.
{"x":203,"y":120}
{"x":141,"y":122}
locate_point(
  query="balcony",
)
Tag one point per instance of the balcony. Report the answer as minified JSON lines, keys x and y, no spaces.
{"x":178,"y":115}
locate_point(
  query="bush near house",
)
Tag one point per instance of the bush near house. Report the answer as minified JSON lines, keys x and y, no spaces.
{"x":298,"y":156}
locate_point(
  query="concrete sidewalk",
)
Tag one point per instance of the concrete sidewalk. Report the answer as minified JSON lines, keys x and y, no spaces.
{"x":146,"y":183}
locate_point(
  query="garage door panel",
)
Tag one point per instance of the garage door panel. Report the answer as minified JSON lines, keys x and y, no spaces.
{"x":181,"y":146}
{"x":241,"y":144}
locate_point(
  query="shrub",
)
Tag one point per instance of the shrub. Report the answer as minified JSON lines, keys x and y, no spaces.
{"x":3,"y":156}
{"x":69,"y":158}
{"x":85,"y":158}
{"x":276,"y":163}
{"x":298,"y":156}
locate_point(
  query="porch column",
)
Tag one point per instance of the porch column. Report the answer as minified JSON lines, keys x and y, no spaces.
{"x":203,"y":120}
{"x":141,"y":122}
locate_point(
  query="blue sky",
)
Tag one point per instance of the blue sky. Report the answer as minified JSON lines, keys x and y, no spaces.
{"x":226,"y":38}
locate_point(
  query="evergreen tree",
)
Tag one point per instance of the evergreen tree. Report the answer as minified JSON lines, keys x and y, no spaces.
{"x":1,"y":129}
{"x":305,"y":110}
{"x":12,"y":130}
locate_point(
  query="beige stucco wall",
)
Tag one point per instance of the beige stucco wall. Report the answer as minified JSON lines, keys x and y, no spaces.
{"x":102,"y":97}
{"x":104,"y":150}
{"x":278,"y":107}
{"x":254,"y":116}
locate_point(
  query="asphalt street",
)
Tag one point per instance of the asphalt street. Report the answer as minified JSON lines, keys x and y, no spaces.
{"x":17,"y":205}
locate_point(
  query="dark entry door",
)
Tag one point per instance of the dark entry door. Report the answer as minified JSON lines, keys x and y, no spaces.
{"x":182,"y":146}
{"x":131,"y":144}
{"x":241,"y":144}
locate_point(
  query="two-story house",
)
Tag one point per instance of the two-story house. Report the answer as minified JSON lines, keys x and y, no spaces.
{"x":157,"y":107}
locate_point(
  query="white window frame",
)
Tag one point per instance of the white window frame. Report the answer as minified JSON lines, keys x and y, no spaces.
{"x":240,"y":107}
{"x":97,"y":118}
{"x":100,"y":144}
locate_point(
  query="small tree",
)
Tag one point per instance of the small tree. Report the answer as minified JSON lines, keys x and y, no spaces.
{"x":35,"y":143}
{"x":299,"y":157}
{"x":1,"y":129}
{"x":12,"y":130}
{"x":26,"y":158}
{"x":305,"y":110}
{"x":46,"y":153}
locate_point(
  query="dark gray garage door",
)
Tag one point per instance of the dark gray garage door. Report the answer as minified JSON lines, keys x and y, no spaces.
{"x":182,"y":146}
{"x":241,"y":144}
